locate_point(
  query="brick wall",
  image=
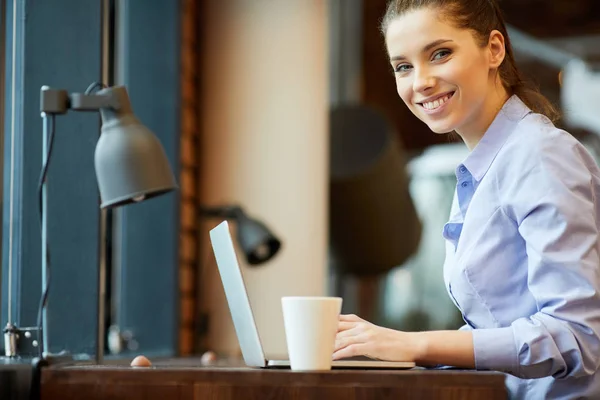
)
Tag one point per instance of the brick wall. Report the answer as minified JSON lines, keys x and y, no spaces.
{"x":189,"y":179}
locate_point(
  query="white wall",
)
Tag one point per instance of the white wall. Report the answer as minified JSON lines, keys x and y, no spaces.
{"x":265,"y":146}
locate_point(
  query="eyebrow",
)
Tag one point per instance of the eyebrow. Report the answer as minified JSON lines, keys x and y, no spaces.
{"x":425,"y":49}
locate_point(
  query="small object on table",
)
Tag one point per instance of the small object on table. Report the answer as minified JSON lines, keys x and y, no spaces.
{"x":141,"y":361}
{"x":208,"y":358}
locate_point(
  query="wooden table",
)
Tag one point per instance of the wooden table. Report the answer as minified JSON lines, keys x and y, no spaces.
{"x":15,"y":379}
{"x":177,"y":382}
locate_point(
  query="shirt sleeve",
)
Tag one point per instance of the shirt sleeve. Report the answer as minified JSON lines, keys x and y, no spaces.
{"x":554,"y":206}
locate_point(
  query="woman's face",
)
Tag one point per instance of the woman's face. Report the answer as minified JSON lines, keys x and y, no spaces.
{"x":441,"y":73}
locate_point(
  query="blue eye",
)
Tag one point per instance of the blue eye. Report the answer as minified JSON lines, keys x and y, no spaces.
{"x":441,"y":54}
{"x":402,"y":68}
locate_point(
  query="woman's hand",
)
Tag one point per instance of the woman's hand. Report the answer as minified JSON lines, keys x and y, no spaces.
{"x":357,"y":337}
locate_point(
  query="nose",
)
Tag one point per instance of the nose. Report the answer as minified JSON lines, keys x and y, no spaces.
{"x":423,"y":80}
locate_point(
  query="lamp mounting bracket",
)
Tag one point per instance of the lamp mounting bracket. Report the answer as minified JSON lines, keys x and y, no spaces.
{"x":59,"y":101}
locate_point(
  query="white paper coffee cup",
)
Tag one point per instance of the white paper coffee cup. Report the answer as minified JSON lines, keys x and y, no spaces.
{"x":310,"y":328}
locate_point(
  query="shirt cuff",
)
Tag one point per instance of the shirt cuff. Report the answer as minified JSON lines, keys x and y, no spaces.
{"x":495,"y":350}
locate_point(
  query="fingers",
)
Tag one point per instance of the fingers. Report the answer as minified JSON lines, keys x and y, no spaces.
{"x":344,"y":341}
{"x":350,"y":318}
{"x":353,"y":331}
{"x":349,"y":338}
{"x":344,"y":326}
{"x":353,"y":350}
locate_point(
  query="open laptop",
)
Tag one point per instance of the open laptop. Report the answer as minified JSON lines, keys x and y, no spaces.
{"x":241,"y":312}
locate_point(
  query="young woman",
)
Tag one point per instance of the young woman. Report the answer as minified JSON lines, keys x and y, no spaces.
{"x":522,"y":249}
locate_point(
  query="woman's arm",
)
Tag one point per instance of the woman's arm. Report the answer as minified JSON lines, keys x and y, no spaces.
{"x":554,"y":205}
{"x":453,"y":348}
{"x":358,"y":337}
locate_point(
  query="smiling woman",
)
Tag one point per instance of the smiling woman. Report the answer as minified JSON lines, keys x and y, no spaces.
{"x":480,"y":19}
{"x":455,"y":66}
{"x":522,"y":240}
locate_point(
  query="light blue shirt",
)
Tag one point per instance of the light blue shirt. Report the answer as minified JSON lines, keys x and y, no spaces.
{"x":522,"y":256}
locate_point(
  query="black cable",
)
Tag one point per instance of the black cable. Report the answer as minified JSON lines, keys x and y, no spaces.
{"x":42,"y":180}
{"x":43,"y":175}
{"x":93,"y":86}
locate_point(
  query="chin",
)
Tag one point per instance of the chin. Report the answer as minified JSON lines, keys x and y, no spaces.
{"x":439,"y":125}
{"x":441,"y":128}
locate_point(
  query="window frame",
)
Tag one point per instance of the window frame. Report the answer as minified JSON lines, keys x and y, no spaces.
{"x":67,"y":48}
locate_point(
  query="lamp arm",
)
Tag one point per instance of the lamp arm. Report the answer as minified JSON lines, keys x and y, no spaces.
{"x":58,"y":101}
{"x":94,"y":102}
{"x":228,"y":212}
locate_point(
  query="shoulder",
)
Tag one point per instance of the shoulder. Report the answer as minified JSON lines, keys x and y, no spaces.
{"x":538,"y":146}
{"x":541,"y":163}
{"x":538,"y":137}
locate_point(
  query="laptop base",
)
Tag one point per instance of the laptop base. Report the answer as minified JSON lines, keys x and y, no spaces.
{"x":350,"y":364}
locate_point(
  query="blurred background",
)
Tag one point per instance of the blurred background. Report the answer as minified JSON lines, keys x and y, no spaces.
{"x":286,"y":109}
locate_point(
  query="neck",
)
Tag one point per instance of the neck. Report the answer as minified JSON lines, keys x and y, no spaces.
{"x":472,"y":132}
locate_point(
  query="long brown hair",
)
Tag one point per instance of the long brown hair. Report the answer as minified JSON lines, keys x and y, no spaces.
{"x":481,"y":17}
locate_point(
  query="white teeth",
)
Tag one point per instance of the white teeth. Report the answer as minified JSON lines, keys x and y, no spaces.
{"x":432,"y":105}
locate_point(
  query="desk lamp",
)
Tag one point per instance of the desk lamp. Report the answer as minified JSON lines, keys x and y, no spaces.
{"x":130,"y":163}
{"x":258,"y":243}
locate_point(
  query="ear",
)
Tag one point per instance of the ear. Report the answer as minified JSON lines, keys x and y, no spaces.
{"x":496,"y":49}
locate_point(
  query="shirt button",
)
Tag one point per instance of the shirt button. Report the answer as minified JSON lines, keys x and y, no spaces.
{"x":462,"y":170}
{"x":464,"y":184}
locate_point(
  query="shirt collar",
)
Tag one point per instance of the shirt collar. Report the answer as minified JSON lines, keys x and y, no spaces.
{"x":480,"y":158}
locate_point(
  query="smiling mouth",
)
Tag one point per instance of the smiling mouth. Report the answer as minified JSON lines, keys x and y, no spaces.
{"x":437,"y":103}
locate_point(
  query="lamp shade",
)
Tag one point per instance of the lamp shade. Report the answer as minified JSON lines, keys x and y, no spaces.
{"x":255,"y":239}
{"x":131,"y":164}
